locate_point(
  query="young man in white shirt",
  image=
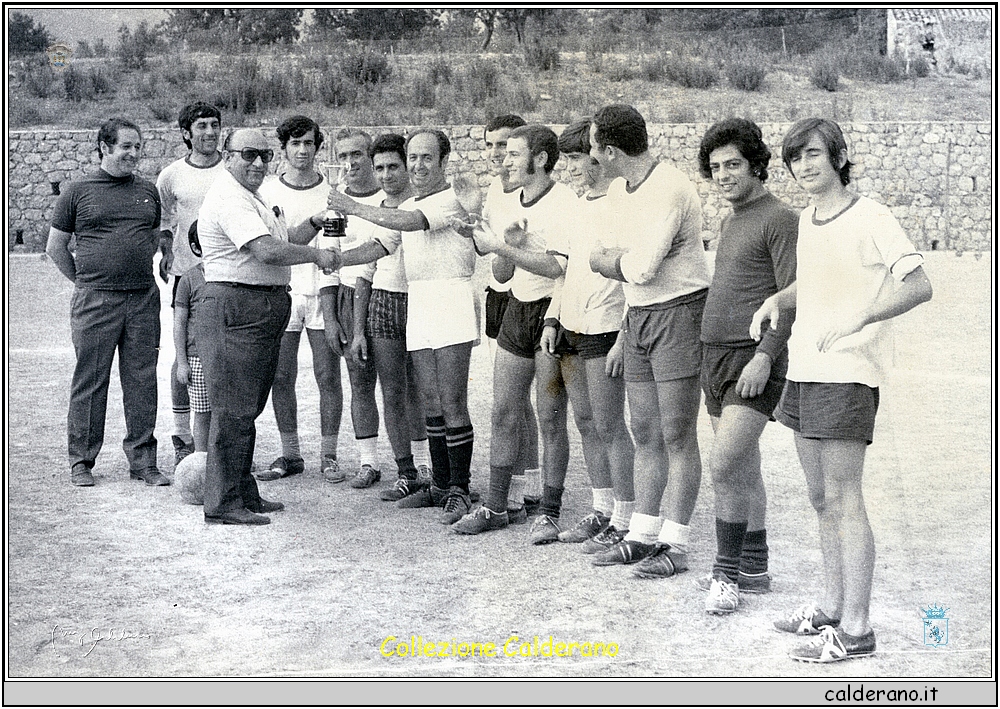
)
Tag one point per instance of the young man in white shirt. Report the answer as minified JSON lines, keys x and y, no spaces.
{"x":654,"y":247}
{"x":856,"y":269}
{"x":531,"y":254}
{"x":499,"y":210}
{"x":301,"y":191}
{"x":182,"y":186}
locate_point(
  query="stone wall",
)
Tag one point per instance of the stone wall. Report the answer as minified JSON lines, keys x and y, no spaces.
{"x":936,"y":177}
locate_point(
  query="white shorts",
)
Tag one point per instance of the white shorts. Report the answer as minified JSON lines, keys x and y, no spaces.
{"x":306,"y":312}
{"x":441,"y":313}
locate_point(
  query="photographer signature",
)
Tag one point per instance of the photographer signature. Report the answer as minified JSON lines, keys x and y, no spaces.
{"x":93,"y":637}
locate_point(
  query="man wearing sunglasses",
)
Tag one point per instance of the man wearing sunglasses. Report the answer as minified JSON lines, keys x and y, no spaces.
{"x":247,"y":249}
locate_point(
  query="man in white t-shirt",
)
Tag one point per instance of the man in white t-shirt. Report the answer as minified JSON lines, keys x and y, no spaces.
{"x":301,"y":191}
{"x":531,"y":254}
{"x":499,"y":210}
{"x":182,"y":186}
{"x":442,"y":318}
{"x":856,"y":270}
{"x":351,"y":149}
{"x":653,"y":246}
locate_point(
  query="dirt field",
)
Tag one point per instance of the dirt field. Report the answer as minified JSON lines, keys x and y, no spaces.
{"x":121,"y":580}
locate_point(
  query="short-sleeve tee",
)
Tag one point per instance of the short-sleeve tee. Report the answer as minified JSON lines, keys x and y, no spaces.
{"x":190,"y":292}
{"x":843,"y":265}
{"x":116,"y":222}
{"x":587,"y":302}
{"x":500,"y":208}
{"x":437,"y":252}
{"x":230,"y":218}
{"x":647,"y":221}
{"x":390,"y":270}
{"x":359,"y":232}
{"x":182,"y":187}
{"x":550,"y":220}
{"x":298,"y":204}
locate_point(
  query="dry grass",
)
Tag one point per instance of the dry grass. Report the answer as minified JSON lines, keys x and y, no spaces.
{"x":316,"y":592}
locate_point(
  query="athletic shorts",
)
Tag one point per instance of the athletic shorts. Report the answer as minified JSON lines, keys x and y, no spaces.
{"x":306,"y":312}
{"x":585,"y":346}
{"x":496,"y":304}
{"x":663,"y":341}
{"x":173,"y":291}
{"x":441,"y":313}
{"x":720,"y":371}
{"x":829,"y":410}
{"x":522,"y":325}
{"x":387,"y":315}
{"x":197,"y":389}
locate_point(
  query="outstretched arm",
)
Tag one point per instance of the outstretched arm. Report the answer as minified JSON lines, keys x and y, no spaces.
{"x":395,"y":219}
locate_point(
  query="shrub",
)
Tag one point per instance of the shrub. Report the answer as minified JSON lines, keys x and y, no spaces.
{"x":74,"y":85}
{"x":147,"y":86}
{"x":423,"y":92}
{"x":867,"y":65}
{"x":101,"y":81}
{"x":824,"y":74}
{"x":366,"y":68}
{"x":746,"y":71}
{"x":180,"y":73}
{"x":920,"y":67}
{"x":482,"y":80}
{"x":439,"y":72}
{"x":691,"y":73}
{"x":335,"y":90}
{"x":39,"y":80}
{"x":540,"y":55}
{"x":618,"y":72}
{"x":654,"y":68}
{"x":163,"y":111}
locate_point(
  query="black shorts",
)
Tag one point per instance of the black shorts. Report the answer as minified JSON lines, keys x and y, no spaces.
{"x":387,"y":315}
{"x":522,"y":325}
{"x":721,"y":367}
{"x":173,"y":292}
{"x":496,"y":304}
{"x":585,"y":346}
{"x":829,"y":410}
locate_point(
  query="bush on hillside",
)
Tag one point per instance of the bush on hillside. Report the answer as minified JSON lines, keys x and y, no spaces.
{"x":746,"y":70}
{"x":824,"y":74}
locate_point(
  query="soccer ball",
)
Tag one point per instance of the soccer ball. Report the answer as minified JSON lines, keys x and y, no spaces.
{"x":189,"y":477}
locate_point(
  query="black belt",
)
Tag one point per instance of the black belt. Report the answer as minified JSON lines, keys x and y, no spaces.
{"x":251,"y":286}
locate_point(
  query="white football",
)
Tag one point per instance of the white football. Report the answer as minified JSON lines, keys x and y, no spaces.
{"x":189,"y":478}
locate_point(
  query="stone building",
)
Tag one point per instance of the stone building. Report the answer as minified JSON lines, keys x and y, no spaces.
{"x":943,"y":35}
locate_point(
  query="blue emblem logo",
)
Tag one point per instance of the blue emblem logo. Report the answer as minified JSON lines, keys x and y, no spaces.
{"x":935,"y":625}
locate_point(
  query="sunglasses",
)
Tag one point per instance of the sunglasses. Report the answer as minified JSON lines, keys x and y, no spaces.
{"x":251,"y":154}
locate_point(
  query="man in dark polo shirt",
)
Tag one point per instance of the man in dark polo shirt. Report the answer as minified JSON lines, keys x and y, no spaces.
{"x":115,"y":217}
{"x":247,"y":249}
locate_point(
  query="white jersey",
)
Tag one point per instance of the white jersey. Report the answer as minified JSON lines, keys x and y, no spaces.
{"x":584,"y":301}
{"x":437,"y":251}
{"x":182,"y":187}
{"x":359,"y":232}
{"x":550,"y":218}
{"x":500,"y":209}
{"x":298,"y":204}
{"x":659,"y":217}
{"x":843,"y":264}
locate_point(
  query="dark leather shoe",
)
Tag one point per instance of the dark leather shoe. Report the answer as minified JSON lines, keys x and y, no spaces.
{"x":81,"y":476}
{"x":266,"y":506}
{"x":151,"y":475}
{"x":240,"y":516}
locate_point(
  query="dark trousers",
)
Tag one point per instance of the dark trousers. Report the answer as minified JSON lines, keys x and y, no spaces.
{"x":238,"y":332}
{"x":102,"y":322}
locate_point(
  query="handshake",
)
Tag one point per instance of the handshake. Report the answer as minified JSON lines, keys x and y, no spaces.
{"x":328,"y":260}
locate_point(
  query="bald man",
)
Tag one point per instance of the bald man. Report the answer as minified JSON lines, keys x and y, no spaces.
{"x":247,"y":249}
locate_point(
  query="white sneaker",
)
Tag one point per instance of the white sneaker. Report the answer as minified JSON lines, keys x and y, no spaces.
{"x":723,"y":597}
